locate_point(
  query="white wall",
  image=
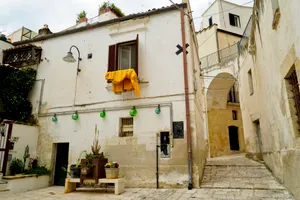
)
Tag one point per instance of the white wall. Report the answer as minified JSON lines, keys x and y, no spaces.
{"x":161,"y":71}
{"x":25,"y":184}
{"x":272,"y":103}
{"x":243,"y":12}
{"x":207,"y":40}
{"x":3,"y":46}
{"x":211,"y":12}
{"x":220,"y":10}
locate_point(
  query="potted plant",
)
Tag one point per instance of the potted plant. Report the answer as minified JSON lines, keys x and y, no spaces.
{"x":81,"y":17}
{"x":94,"y":162}
{"x":106,"y":6}
{"x":75,"y":169}
{"x":112,"y":170}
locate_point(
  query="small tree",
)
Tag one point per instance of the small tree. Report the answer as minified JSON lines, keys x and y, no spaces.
{"x":112,"y":6}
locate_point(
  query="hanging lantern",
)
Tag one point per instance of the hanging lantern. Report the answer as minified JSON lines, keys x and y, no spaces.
{"x":54,"y":118}
{"x":157,"y":110}
{"x":75,"y":116}
{"x":133,"y":112}
{"x":103,"y":114}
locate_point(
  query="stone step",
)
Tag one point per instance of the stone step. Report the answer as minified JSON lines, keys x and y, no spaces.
{"x":3,"y":186}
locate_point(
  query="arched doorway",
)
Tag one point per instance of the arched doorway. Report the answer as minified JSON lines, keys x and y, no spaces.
{"x":224,"y":118}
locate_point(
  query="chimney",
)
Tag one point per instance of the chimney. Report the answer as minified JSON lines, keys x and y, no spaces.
{"x":107,"y":14}
{"x":44,"y":31}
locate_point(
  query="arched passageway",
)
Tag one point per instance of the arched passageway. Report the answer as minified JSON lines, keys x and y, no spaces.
{"x":225,"y":126}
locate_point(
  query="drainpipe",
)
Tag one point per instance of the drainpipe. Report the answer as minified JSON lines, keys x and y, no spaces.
{"x":187,"y":101}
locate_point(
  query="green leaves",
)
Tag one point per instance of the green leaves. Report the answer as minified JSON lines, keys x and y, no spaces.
{"x":14,"y":90}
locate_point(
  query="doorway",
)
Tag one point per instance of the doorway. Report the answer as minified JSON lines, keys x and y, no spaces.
{"x":257,"y":130}
{"x":61,"y":163}
{"x":234,"y":138}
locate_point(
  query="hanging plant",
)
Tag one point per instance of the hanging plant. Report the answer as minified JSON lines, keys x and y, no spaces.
{"x":14,"y":90}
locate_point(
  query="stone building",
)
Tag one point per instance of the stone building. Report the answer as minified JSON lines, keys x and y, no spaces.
{"x":168,"y":80}
{"x":221,"y":30}
{"x":269,"y":89}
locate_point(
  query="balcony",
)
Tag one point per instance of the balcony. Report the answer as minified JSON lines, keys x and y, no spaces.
{"x":220,"y":56}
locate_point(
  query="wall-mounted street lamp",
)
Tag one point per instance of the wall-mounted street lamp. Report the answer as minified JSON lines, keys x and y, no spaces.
{"x":70,"y":58}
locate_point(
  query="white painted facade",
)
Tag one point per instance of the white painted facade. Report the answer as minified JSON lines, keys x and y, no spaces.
{"x":4,"y":45}
{"x":26,"y":183}
{"x":276,"y":55}
{"x":63,"y":92}
{"x":219,"y":11}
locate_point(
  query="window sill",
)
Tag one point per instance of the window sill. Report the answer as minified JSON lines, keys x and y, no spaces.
{"x":276,"y":19}
{"x":232,"y":103}
{"x":109,"y":85}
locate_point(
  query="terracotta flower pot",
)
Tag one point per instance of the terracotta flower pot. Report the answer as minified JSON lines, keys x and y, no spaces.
{"x":84,"y":19}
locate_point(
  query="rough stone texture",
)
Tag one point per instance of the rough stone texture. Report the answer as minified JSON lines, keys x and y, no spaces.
{"x":218,"y":123}
{"x":224,"y":178}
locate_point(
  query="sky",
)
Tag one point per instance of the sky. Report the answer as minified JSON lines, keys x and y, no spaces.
{"x":61,"y":14}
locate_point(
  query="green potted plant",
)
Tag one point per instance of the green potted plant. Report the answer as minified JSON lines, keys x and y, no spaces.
{"x":106,"y":6}
{"x":88,"y":168}
{"x":81,"y":17}
{"x":75,"y":169}
{"x":112,"y":170}
{"x":16,"y":166}
{"x":95,"y":158}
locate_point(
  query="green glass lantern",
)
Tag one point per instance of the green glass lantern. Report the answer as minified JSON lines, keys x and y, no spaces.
{"x":54,"y":118}
{"x":157,"y":110}
{"x":133,"y":112}
{"x":103,"y":114}
{"x":75,"y":116}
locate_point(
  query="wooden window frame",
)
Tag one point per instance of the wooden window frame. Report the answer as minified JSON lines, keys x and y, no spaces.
{"x":131,"y":125}
{"x":113,"y":55}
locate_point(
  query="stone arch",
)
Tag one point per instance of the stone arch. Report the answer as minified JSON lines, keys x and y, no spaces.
{"x":222,"y":114}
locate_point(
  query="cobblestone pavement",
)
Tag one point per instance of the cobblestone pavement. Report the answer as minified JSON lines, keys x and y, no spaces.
{"x":233,"y":177}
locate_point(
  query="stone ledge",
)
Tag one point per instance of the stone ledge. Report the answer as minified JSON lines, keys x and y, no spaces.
{"x":21,"y":176}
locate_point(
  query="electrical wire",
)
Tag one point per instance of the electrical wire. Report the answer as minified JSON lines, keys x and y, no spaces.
{"x":223,"y":10}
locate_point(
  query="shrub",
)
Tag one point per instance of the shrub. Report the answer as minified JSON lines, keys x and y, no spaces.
{"x":38,"y":171}
{"x":16,"y":166}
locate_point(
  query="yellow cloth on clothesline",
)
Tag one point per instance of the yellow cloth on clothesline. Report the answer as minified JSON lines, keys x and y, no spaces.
{"x":124,"y":80}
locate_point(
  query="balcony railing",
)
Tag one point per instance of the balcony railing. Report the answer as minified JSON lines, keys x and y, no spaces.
{"x":220,"y":56}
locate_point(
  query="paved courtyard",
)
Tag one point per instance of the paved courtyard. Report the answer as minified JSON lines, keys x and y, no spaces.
{"x":233,"y":177}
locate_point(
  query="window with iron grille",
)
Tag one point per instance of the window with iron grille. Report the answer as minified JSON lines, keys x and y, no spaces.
{"x":126,"y":127}
{"x":293,"y":81}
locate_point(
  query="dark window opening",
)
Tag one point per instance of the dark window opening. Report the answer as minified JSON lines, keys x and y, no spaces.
{"x":126,"y":127}
{"x":123,"y":55}
{"x":234,"y":20}
{"x":293,"y":80}
{"x":250,"y":80}
{"x":234,"y":115}
{"x":233,"y":95}
{"x":234,"y":138}
{"x":165,"y":144}
{"x":210,"y":21}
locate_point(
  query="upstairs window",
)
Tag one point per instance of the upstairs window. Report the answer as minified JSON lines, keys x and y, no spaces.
{"x":234,"y":20}
{"x":210,"y":21}
{"x":233,"y":95}
{"x":123,"y":55}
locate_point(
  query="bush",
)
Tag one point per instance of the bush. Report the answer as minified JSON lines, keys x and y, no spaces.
{"x":16,"y":166}
{"x":38,"y":171}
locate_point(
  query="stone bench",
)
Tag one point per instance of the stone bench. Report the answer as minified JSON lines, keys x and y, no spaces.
{"x":119,"y":184}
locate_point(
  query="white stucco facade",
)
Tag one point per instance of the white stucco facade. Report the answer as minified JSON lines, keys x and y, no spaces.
{"x":59,"y":90}
{"x":219,"y":11}
{"x":272,"y":104}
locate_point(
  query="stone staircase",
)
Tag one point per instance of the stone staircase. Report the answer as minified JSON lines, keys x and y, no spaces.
{"x":238,"y":173}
